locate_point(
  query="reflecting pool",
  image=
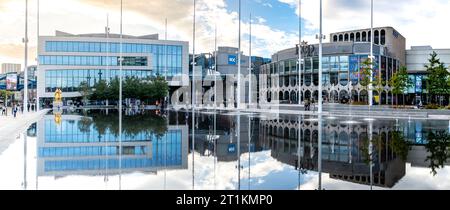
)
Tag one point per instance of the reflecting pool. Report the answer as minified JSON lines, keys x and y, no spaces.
{"x":226,"y":150}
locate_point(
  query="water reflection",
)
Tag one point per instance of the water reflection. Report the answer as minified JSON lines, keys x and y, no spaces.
{"x":88,"y":144}
{"x":234,"y":151}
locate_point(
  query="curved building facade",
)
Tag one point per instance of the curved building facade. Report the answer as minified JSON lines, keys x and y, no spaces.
{"x":342,"y":63}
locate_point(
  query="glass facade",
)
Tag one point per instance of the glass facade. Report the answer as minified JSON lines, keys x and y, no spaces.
{"x":142,"y":149}
{"x":339,"y":71}
{"x":91,"y":60}
{"x":68,"y":80}
{"x":165,"y":58}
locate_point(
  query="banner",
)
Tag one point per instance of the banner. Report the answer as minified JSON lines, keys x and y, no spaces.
{"x":11,"y":82}
{"x":232,"y":59}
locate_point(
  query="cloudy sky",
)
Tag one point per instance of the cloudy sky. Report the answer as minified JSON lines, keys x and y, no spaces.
{"x":275,"y":22}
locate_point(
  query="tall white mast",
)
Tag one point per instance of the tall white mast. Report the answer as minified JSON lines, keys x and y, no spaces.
{"x":239,"y":62}
{"x":300,"y":89}
{"x":193,"y":98}
{"x":215,"y":68}
{"x":320,"y":61}
{"x":25,"y":72}
{"x":37,"y":106}
{"x":371,"y":55}
{"x":250,"y":92}
{"x":120,"y":93}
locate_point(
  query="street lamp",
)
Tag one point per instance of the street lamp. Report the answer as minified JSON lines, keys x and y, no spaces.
{"x":371,"y":55}
{"x":300,"y":87}
{"x":239,"y":61}
{"x":321,"y":37}
{"x":25,"y":40}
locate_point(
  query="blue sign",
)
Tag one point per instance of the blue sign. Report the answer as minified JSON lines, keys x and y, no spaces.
{"x":412,"y":88}
{"x":232,"y":148}
{"x":419,"y":84}
{"x":232,"y":59}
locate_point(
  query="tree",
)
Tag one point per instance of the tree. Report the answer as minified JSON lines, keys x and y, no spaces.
{"x":160,"y":87}
{"x":400,"y":82}
{"x":438,"y":148}
{"x":378,"y":85}
{"x":85,"y":91}
{"x":437,"y":82}
{"x":100,"y":91}
{"x":365,"y":74}
{"x":5,"y":94}
{"x":131,"y":88}
{"x":113,"y":89}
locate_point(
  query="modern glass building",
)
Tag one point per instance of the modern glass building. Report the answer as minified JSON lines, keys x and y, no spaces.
{"x":66,"y":60}
{"x":77,"y":145}
{"x":342,"y":63}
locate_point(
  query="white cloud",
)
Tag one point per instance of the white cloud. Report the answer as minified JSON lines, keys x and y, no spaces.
{"x":421,"y":22}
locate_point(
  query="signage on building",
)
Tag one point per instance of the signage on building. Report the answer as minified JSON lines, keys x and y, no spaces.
{"x":11,"y":82}
{"x":419,"y":84}
{"x":307,"y":50}
{"x":412,"y":88}
{"x":232,"y":148}
{"x":232,"y":59}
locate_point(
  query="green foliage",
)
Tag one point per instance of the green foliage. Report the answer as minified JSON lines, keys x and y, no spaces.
{"x":365,"y":73}
{"x":85,"y":90}
{"x":399,"y":145}
{"x":438,"y":147}
{"x":400,"y":81}
{"x":149,"y":123}
{"x":5,"y":93}
{"x":100,"y":91}
{"x":150,"y":89}
{"x":160,"y":86}
{"x":438,"y":77}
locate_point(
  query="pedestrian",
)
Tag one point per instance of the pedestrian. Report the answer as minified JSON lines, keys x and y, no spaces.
{"x":15,"y":111}
{"x":28,"y":107}
{"x":32,"y":107}
{"x":313,"y":103}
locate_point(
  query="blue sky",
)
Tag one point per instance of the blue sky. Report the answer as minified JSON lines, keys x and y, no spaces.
{"x":275,"y":26}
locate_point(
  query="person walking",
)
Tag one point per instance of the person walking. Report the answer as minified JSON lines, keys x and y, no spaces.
{"x":14,"y":111}
{"x":28,"y":107}
{"x":313,"y":104}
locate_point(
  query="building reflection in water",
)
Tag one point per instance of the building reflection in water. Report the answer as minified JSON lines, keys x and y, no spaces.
{"x":89,"y":145}
{"x":362,"y":151}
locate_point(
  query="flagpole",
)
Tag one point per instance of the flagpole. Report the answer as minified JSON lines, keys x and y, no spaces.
{"x":120,"y":92}
{"x":371,"y":55}
{"x":239,"y":61}
{"x":25,"y":72}
{"x":320,"y":61}
{"x":300,"y":87}
{"x":215,"y":68}
{"x":37,"y":106}
{"x":193,"y":98}
{"x":250,"y":94}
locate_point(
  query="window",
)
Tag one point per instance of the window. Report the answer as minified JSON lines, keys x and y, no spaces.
{"x":383,"y":37}
{"x":343,"y":79}
{"x":335,"y":38}
{"x":352,"y":37}
{"x":364,"y":36}
{"x":358,"y":37}
{"x":341,"y":38}
{"x":346,"y":37}
{"x":377,"y":37}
